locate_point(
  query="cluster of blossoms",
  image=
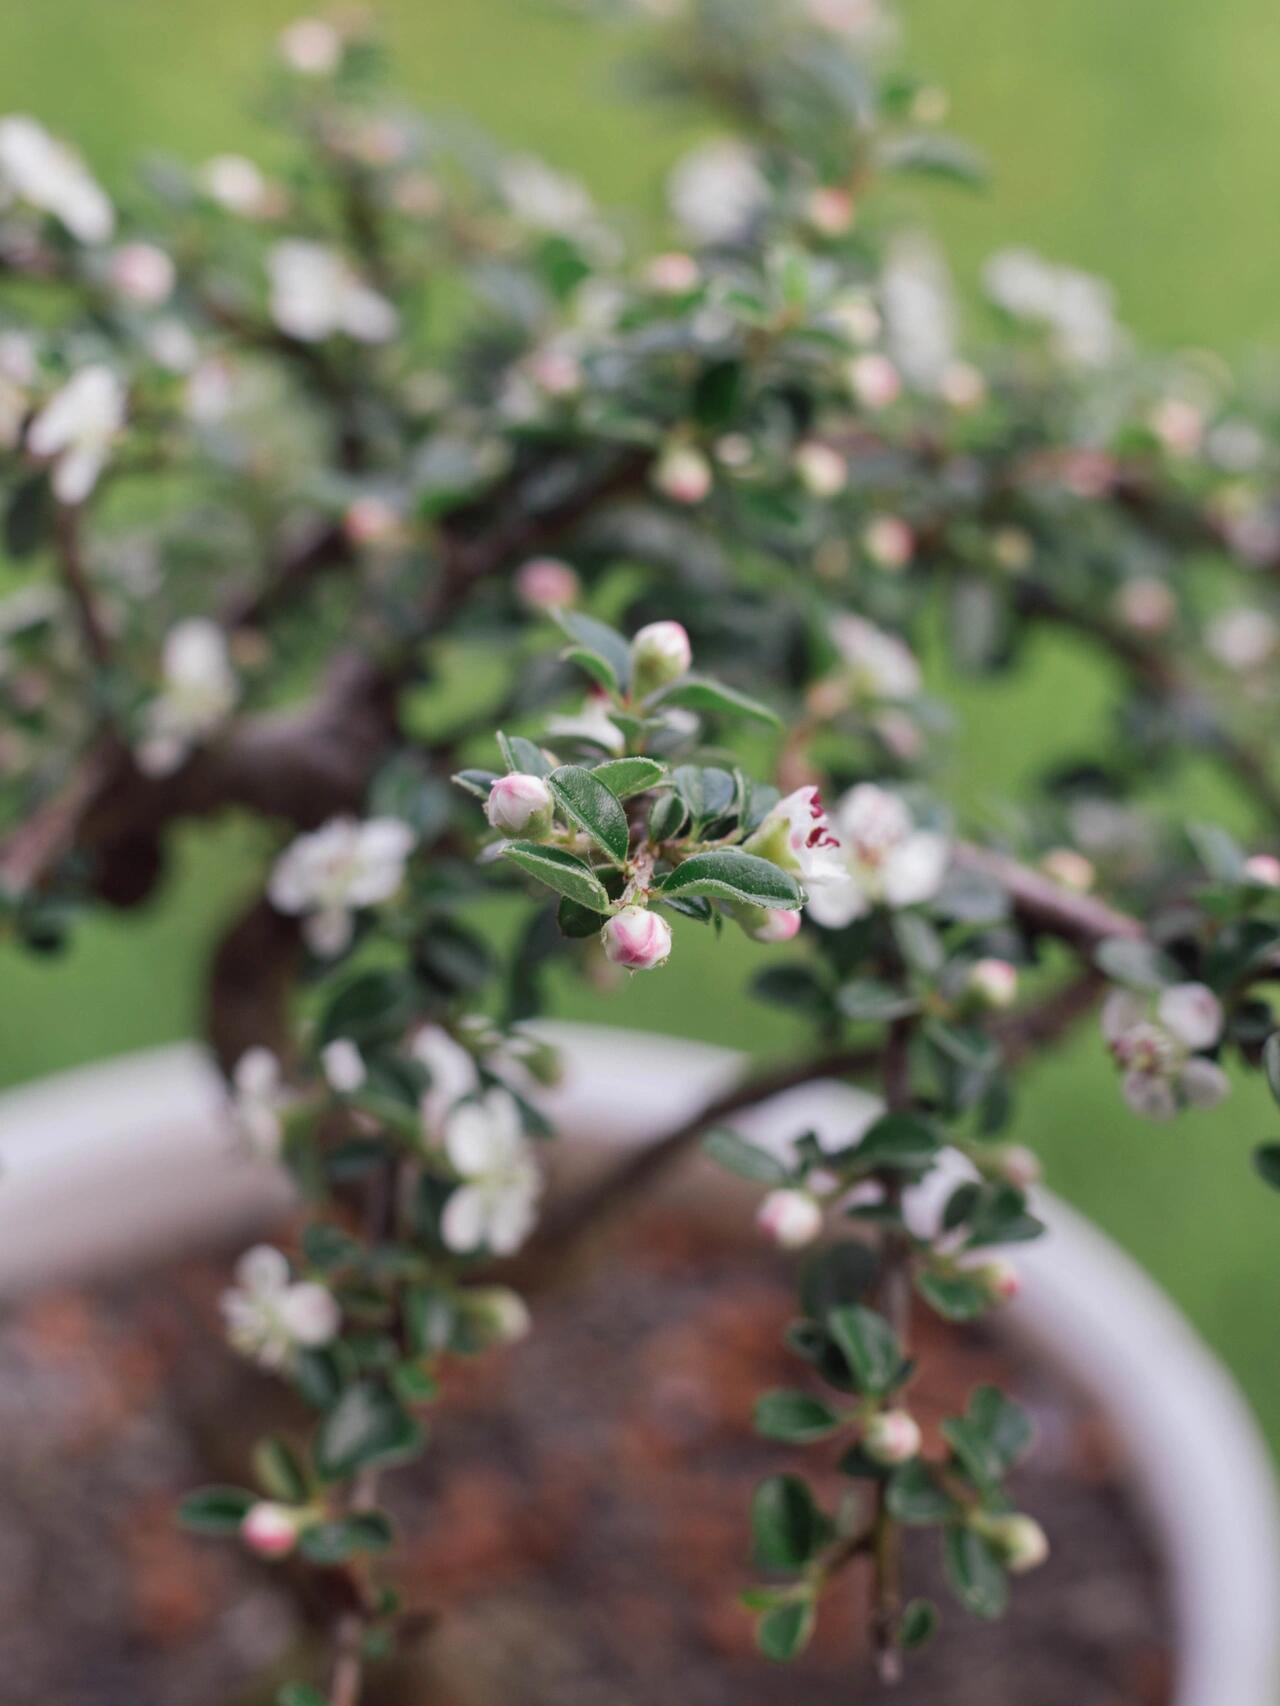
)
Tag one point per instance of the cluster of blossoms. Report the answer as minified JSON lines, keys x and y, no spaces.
{"x":775,"y":442}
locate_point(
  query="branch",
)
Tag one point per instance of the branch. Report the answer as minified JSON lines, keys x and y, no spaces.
{"x":76,"y":577}
{"x":1079,"y":919}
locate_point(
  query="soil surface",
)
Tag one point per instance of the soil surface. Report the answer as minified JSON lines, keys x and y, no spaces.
{"x":579,"y":1526}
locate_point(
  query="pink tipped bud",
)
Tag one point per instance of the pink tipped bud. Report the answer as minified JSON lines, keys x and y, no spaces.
{"x":660,"y":654}
{"x":831,"y":211}
{"x":891,"y":1437}
{"x":999,"y":1279}
{"x":994,"y":983}
{"x":673,"y":274}
{"x":821,"y":469}
{"x":962,"y":386}
{"x":143,"y":274}
{"x":1017,"y":1165}
{"x":555,"y":372}
{"x":545,"y":583}
{"x":1020,"y":1540}
{"x":1146,"y":606}
{"x":889,"y":542}
{"x":874,"y":381}
{"x":1069,"y":868}
{"x":791,"y":1219}
{"x":371,"y":521}
{"x":520,"y":805}
{"x":1178,"y":425}
{"x":774,"y":927}
{"x":1263,"y":868}
{"x":270,"y":1530}
{"x":683,"y":474}
{"x":636,"y":938}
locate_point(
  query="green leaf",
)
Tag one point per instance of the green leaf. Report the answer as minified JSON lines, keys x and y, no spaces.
{"x":28,"y":519}
{"x":1005,"y":1425}
{"x":329,"y":1543}
{"x":919,"y":1624}
{"x":475,"y":782}
{"x":1266,"y":1158}
{"x":300,"y":1694}
{"x":1271,"y":1063}
{"x":717,"y":393}
{"x":1219,"y":853}
{"x":795,"y":1417}
{"x":372,"y":1008}
{"x":735,"y":876}
{"x":279,"y":1473}
{"x":953,"y":1296}
{"x":867,"y":1000}
{"x":626,"y":776}
{"x":578,"y":922}
{"x":559,"y":871}
{"x":748,"y":1160}
{"x":216,"y":1510}
{"x":589,"y":804}
{"x":366,"y":1426}
{"x":869,"y":1346}
{"x":523,"y":756}
{"x":916,"y":1497}
{"x":606,"y":646}
{"x":842,"y":1273}
{"x":897,"y":1140}
{"x":1138,"y":964}
{"x":975,"y":1572}
{"x":786,"y":1525}
{"x":786,"y":1630}
{"x":933,"y":154}
{"x":698,"y":693}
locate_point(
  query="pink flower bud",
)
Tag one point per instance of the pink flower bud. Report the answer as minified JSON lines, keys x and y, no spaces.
{"x":683,"y":474}
{"x":371,"y":521}
{"x":831,"y":211}
{"x":143,"y":274}
{"x":889,"y":542}
{"x":999,"y":1279}
{"x":520,"y":805}
{"x":775,"y":926}
{"x":1017,"y":1164}
{"x":660,"y":654}
{"x":1020,"y":1540}
{"x":673,"y":274}
{"x":636,"y":938}
{"x":1178,"y":425}
{"x":790,"y":1218}
{"x":962,"y":386}
{"x":545,"y":583}
{"x":891,"y":1437}
{"x":311,"y":47}
{"x":1146,"y":606}
{"x":994,"y":982}
{"x":269,"y":1530}
{"x":1263,"y":868}
{"x":555,"y":372}
{"x":874,"y":381}
{"x":821,"y":469}
{"x":1069,"y":868}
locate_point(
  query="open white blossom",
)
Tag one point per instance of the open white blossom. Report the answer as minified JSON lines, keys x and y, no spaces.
{"x":270,"y":1316}
{"x":887,"y":859}
{"x":494,"y":1206}
{"x":1076,"y":309}
{"x":76,"y":428}
{"x":1156,"y":1045}
{"x":311,"y":46}
{"x":453,"y":1074}
{"x":200,"y":691}
{"x":237,"y":184}
{"x":38,"y":169}
{"x":543,"y":198}
{"x":316,"y":293}
{"x":330,"y":874}
{"x":879,"y":664}
{"x":258,"y":1098}
{"x":1243,"y":639}
{"x":919,"y":312}
{"x":718,"y":192}
{"x":797,"y":836}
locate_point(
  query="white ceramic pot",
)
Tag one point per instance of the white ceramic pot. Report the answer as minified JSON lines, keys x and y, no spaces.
{"x":136,"y":1154}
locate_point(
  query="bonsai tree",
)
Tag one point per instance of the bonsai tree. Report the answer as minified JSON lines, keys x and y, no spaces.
{"x":551,"y":602}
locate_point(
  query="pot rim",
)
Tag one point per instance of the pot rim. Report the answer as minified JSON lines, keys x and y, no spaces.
{"x":146,"y":1138}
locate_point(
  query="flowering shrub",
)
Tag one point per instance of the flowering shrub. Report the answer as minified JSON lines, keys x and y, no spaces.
{"x":285,"y":452}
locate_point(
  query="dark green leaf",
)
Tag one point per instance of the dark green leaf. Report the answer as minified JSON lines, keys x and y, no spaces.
{"x":954,"y":1296}
{"x":748,"y":1160}
{"x":329,"y":1543}
{"x":871,"y":1002}
{"x":785,"y":1630}
{"x":626,"y":776}
{"x":279,"y":1472}
{"x":735,"y":876}
{"x":794,"y":1417}
{"x":28,"y":519}
{"x":372,"y":1008}
{"x":717,"y":393}
{"x":1266,"y":1158}
{"x":579,"y":922}
{"x":898,"y":1140}
{"x":300,"y":1694}
{"x":916,"y":1496}
{"x":216,"y":1510}
{"x":367,"y":1425}
{"x":588,"y":803}
{"x":603,"y":642}
{"x":869,"y":1346}
{"x":975,"y":1572}
{"x":786,"y":1524}
{"x":696,"y":693}
{"x":919,"y":1624}
{"x":523,"y":756}
{"x":560,"y":871}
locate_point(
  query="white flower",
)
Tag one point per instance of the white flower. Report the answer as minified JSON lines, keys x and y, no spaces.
{"x":889,"y":542}
{"x":143,"y":274}
{"x":1157,"y":1051}
{"x":886,"y":860}
{"x":673,"y":273}
{"x":718,"y":192}
{"x":336,"y":870}
{"x":797,"y":836}
{"x":790,"y":1218}
{"x":316,"y":293}
{"x":76,"y":427}
{"x":451,"y":1069}
{"x":237,"y":184}
{"x":200,"y":691}
{"x":880,"y":665}
{"x":542,"y":197}
{"x":270,"y":1317}
{"x":494,"y":1205}
{"x":258,"y":1096}
{"x":520,"y":805}
{"x":311,"y":47}
{"x":591,"y":723}
{"x":1076,"y":309}
{"x":919,"y":313}
{"x":892,"y":1437}
{"x":821,"y":468}
{"x":1179,"y":425}
{"x":39,"y":169}
{"x":637,"y":939}
{"x":343,"y":1066}
{"x":1243,"y":639}
{"x":874,"y":381}
{"x":856,"y":20}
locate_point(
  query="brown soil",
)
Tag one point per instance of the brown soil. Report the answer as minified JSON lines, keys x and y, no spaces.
{"x":579,"y":1524}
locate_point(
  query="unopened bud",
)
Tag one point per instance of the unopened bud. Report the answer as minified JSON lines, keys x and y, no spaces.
{"x":371,"y":521}
{"x":874,"y":381}
{"x":499,"y":1314}
{"x":1017,"y":1165}
{"x":545,"y":583}
{"x":831,"y":211}
{"x":772,"y":926}
{"x":660,"y":654}
{"x":994,"y":982}
{"x":999,"y":1279}
{"x":683,"y":474}
{"x":891,"y":1437}
{"x":143,"y":274}
{"x":962,"y":386}
{"x":821,"y":469}
{"x":520,"y":805}
{"x":1263,"y":868}
{"x":343,"y":1065}
{"x":889,"y":542}
{"x":1069,"y":868}
{"x":269,"y":1530}
{"x":637,"y":939}
{"x":673,"y":274}
{"x":791,"y":1218}
{"x":1020,"y":1540}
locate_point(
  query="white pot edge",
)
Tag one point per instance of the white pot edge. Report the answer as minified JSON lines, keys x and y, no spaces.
{"x":96,"y":1160}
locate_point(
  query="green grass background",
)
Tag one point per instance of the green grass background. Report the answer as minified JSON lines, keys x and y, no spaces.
{"x":1137,"y":139}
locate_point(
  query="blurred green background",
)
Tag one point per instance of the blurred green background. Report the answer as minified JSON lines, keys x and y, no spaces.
{"x":1136,"y":139}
